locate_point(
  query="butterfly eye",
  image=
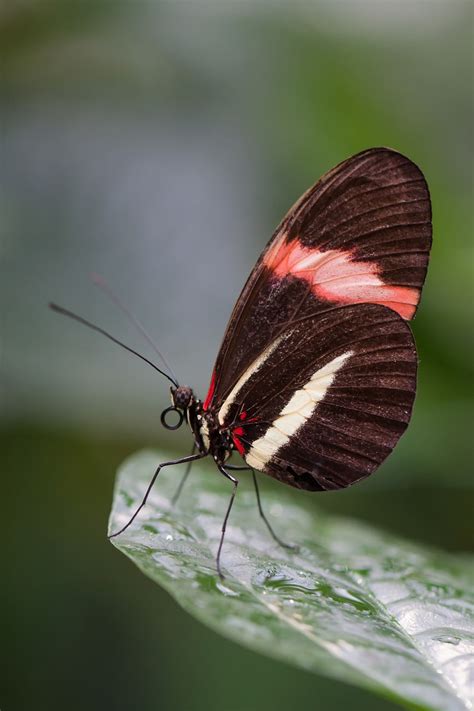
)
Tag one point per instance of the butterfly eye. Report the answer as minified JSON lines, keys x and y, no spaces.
{"x":170,"y":424}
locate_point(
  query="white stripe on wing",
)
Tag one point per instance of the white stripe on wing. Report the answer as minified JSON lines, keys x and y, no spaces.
{"x":251,"y":370}
{"x":294,"y":415}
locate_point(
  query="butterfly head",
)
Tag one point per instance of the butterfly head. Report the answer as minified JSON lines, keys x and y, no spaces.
{"x":182,"y":397}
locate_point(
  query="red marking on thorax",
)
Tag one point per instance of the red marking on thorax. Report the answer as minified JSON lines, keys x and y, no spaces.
{"x":336,"y":276}
{"x":238,"y":444}
{"x":239,"y":431}
{"x":210,"y":393}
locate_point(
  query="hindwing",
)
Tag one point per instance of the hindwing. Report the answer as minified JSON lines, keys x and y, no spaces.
{"x":329,"y":401}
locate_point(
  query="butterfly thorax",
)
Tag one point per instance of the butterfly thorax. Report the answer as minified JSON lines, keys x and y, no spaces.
{"x":213,"y":439}
{"x":210,"y":437}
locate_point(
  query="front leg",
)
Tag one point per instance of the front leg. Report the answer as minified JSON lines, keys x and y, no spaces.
{"x":182,"y":460}
{"x":184,"y":478}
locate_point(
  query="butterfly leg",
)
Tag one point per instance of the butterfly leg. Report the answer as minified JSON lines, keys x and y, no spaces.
{"x":226,"y":517}
{"x":178,"y":491}
{"x":182,"y":460}
{"x":291,"y":546}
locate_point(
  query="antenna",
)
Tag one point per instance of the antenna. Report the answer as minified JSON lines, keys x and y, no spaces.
{"x":100,"y":282}
{"x":75,"y":317}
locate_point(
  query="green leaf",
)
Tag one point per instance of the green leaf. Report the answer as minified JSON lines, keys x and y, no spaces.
{"x":353,"y":603}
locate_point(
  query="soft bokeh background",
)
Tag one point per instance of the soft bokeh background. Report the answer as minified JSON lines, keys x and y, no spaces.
{"x":159,"y":143}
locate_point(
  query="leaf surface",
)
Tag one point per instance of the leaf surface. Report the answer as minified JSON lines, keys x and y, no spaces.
{"x":354,"y":603}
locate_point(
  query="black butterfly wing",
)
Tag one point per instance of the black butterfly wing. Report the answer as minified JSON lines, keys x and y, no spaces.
{"x":361,"y":234}
{"x":326,"y":402}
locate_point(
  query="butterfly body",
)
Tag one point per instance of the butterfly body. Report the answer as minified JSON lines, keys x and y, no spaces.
{"x":210,"y":437}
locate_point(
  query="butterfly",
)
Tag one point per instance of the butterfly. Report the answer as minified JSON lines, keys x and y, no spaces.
{"x":315,"y":380}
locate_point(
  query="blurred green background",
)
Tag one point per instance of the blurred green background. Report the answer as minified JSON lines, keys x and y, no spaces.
{"x":159,"y":143}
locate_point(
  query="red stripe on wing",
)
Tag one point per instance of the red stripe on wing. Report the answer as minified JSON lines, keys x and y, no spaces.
{"x":210,"y":392}
{"x":335,"y":275}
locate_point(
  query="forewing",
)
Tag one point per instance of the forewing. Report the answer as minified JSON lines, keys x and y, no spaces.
{"x":362,"y":234}
{"x":325,"y":404}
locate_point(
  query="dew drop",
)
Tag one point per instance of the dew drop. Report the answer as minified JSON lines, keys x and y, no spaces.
{"x":448,"y":639}
{"x":169,"y":537}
